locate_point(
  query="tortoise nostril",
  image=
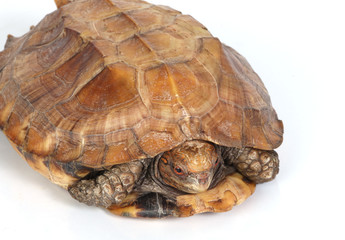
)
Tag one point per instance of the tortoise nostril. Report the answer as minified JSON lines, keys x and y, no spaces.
{"x":203,"y":181}
{"x":203,"y":178}
{"x":203,"y":175}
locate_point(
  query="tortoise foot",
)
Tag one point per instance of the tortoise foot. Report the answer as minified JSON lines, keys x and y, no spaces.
{"x":152,"y":205}
{"x":258,"y":165}
{"x":232,"y":190}
{"x":111,"y":186}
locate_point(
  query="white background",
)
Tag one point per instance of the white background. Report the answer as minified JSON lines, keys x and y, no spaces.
{"x":297,"y":47}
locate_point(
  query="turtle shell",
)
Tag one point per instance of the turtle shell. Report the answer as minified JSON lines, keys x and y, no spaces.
{"x":104,"y":82}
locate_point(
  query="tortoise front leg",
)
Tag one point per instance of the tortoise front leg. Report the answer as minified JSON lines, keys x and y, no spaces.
{"x":257,"y":165}
{"x":151,"y":205}
{"x":111,"y":187}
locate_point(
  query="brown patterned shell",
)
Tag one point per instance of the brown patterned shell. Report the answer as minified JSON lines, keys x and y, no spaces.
{"x":103,"y":82}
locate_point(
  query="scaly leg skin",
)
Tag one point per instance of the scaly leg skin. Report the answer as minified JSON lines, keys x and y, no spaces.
{"x":257,"y":165}
{"x":231,"y":191}
{"x":151,"y":205}
{"x":111,"y":187}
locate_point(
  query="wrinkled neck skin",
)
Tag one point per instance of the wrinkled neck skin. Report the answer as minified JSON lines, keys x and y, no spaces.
{"x":153,"y":182}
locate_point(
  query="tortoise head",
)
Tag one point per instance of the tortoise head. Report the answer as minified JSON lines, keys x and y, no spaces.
{"x":189,"y":167}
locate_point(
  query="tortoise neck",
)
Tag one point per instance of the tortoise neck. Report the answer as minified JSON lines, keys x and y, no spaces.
{"x":156,"y":177}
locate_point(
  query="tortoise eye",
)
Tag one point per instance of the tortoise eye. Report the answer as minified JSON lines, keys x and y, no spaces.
{"x":178,"y":170}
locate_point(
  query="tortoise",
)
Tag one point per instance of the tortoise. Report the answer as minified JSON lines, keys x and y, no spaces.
{"x":138,"y":109}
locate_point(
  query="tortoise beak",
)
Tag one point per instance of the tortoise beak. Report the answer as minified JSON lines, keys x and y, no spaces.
{"x":205,"y":181}
{"x":200,"y":183}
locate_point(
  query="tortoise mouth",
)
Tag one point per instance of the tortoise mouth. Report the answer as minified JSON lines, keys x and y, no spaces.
{"x":201,"y":186}
{"x":196,"y":184}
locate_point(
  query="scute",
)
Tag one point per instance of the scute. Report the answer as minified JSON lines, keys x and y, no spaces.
{"x":117,"y":28}
{"x":137,"y":52}
{"x":41,"y":137}
{"x":103,"y":82}
{"x":157,"y":135}
{"x":115,"y":85}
